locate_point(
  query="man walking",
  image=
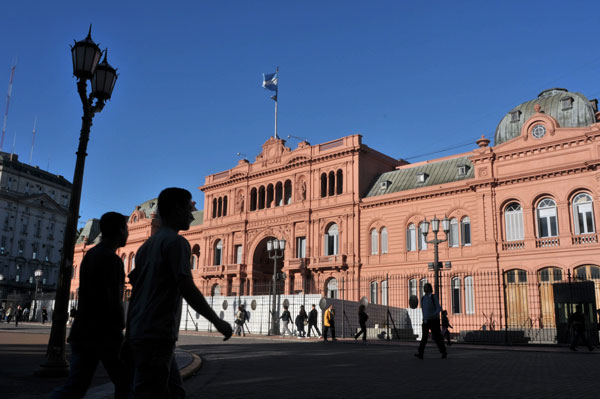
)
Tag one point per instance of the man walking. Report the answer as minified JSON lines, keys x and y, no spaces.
{"x":577,"y":322}
{"x":431,"y":322}
{"x":329,"y":323}
{"x":286,"y":317}
{"x":312,"y":321}
{"x":97,"y":331}
{"x":161,"y":278}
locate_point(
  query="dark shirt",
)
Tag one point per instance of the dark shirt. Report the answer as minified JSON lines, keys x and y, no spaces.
{"x":312,"y":316}
{"x":577,"y":319}
{"x":100,"y":315}
{"x":362,"y":317}
{"x":155,"y":306}
{"x":286,"y":316}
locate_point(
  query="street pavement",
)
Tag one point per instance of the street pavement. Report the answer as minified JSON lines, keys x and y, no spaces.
{"x":262,"y":367}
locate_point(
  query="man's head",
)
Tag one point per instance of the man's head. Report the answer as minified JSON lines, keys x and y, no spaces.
{"x":428,"y":288}
{"x":313,"y":306}
{"x":175,"y":208}
{"x":113,"y":226}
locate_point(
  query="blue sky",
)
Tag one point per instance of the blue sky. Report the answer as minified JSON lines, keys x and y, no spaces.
{"x":411,"y":77}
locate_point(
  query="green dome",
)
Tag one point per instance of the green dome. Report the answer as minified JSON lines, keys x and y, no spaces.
{"x":568,"y":108}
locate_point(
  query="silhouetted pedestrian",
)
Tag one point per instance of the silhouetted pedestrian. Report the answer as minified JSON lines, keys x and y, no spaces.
{"x":301,"y":318}
{"x":577,"y":322}
{"x":97,"y":330}
{"x":286,"y":318}
{"x":313,"y":317}
{"x":362,"y":321}
{"x":445,"y":327}
{"x":431,"y":321}
{"x":329,"y":323}
{"x":240,"y":319}
{"x":19,"y":315}
{"x":44,"y":315}
{"x":161,"y":278}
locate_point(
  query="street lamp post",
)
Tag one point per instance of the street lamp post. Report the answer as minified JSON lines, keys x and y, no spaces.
{"x":275,"y":250}
{"x":86,"y":66}
{"x":38,"y":274}
{"x":435,"y":227}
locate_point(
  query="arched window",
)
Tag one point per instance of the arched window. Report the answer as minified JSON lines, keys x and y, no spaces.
{"x":515,"y":292}
{"x":124,"y":260}
{"x":194,"y":262}
{"x":339,"y":182}
{"x":332,"y":288}
{"x":331,"y":184}
{"x":412,"y":288}
{"x":214,"y":208}
{"x":374,"y":292}
{"x":278,"y":194}
{"x":218,"y":253}
{"x":469,"y":296}
{"x":195,"y":256}
{"x":547,"y":220}
{"x":513,"y":220}
{"x":453,"y":234}
{"x":384,"y":292}
{"x":131,"y":261}
{"x":384,"y":240}
{"x":455,"y":285}
{"x":587,"y":272}
{"x":225,"y":206}
{"x":323,"y":185}
{"x":261,"y":197}
{"x":583,"y":214}
{"x":215,"y":290}
{"x":288,"y":192}
{"x":465,"y":231}
{"x":422,"y":286}
{"x":332,"y":240}
{"x":220,"y":207}
{"x":374,"y":242}
{"x":422,"y":239}
{"x":253,"y":199}
{"x":270,"y":192}
{"x":411,"y":238}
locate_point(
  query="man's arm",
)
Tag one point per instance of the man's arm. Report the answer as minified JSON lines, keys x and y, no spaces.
{"x":196,"y":300}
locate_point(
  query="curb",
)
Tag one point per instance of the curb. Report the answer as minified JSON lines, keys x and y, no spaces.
{"x":191,"y":368}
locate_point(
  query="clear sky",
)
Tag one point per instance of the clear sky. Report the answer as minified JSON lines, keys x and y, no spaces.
{"x":412,"y":77}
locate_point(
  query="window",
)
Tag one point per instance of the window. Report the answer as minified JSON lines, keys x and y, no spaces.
{"x":300,"y":247}
{"x":566,"y":103}
{"x":411,"y":238}
{"x":469,"y":296}
{"x":132,"y":260}
{"x":323,"y":185}
{"x":218,"y":259}
{"x":412,"y":287}
{"x":421,"y":177}
{"x":547,"y":222}
{"x":332,"y":240}
{"x":339,"y":182}
{"x":374,"y":242}
{"x":214,"y":208}
{"x":287,"y":191}
{"x":465,"y":230}
{"x":253,"y":199}
{"x":455,"y":285}
{"x":238,"y":254}
{"x":515,"y":116}
{"x":374,"y":292}
{"x":462,"y":170}
{"x":453,"y":233}
{"x":384,"y":241}
{"x":270,"y":195}
{"x":422,"y":286}
{"x":331,"y":184}
{"x":225,"y":206}
{"x":278,"y":194}
{"x":583,"y":214}
{"x":332,"y":288}
{"x":215,"y":290}
{"x":384,"y":292}
{"x":194,"y":262}
{"x":513,"y":220}
{"x":220,"y":207}
{"x":261,"y":197}
{"x":422,"y":239}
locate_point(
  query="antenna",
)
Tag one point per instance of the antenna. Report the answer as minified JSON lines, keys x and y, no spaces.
{"x":10,"y":83}
{"x":13,"y":147}
{"x":32,"y":140}
{"x":297,"y":138}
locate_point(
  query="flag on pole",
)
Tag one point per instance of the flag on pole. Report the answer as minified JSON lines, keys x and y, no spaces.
{"x":270,"y":81}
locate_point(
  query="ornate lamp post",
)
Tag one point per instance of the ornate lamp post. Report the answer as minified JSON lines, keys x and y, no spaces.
{"x":86,"y":56}
{"x":275,"y":249}
{"x":435,"y":227}
{"x":38,"y":274}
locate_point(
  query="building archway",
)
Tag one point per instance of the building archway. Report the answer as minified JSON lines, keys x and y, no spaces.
{"x":262,"y":269}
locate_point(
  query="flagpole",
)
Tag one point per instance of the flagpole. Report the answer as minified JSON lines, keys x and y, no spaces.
{"x":276,"y":99}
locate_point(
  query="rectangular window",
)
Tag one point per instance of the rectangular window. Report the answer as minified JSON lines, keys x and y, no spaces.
{"x":374,"y":292}
{"x":384,"y":292}
{"x":466,"y":232}
{"x":238,"y":254}
{"x":300,"y":247}
{"x":469,"y":296}
{"x":453,"y":238}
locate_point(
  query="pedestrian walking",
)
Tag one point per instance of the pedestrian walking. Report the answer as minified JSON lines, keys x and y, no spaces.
{"x":285,"y":317}
{"x":18,"y":315}
{"x":362,"y":321}
{"x":9,"y":314}
{"x":431,"y":322}
{"x":240,"y":319}
{"x":301,"y":320}
{"x":313,"y":316}
{"x":25,"y":315}
{"x":97,"y":329}
{"x":161,"y":278}
{"x":445,"y":327}
{"x":72,"y":314}
{"x":577,"y":322}
{"x":329,"y":323}
{"x":44,"y":315}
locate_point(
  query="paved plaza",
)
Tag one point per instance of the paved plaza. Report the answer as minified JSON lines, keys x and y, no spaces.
{"x":261,"y":367}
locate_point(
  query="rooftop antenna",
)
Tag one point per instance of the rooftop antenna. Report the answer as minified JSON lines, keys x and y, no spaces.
{"x":13,"y":147}
{"x":10,"y":83}
{"x":32,"y":140}
{"x":297,"y":138}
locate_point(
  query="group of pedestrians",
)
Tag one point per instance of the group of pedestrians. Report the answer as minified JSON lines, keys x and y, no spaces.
{"x":141,"y":364}
{"x":20,"y":314}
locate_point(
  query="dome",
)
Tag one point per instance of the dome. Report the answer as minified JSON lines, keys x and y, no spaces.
{"x":568,"y":108}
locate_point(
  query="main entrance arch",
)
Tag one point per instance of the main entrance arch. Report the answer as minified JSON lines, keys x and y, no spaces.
{"x":262,"y":269}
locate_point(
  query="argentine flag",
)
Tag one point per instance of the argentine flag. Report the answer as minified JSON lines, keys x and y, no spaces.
{"x":270,"y":81}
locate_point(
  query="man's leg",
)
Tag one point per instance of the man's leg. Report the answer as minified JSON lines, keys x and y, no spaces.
{"x":176,"y":390}
{"x":437,"y":336}
{"x":83,"y":365}
{"x":333,"y":332}
{"x":424,"y":338}
{"x":152,"y":362}
{"x":325,"y":330}
{"x":119,"y":373}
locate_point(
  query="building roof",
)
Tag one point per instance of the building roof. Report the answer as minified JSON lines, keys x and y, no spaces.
{"x":435,"y":173}
{"x":198,"y":218}
{"x":576,"y":112}
{"x":12,"y":161}
{"x":91,"y":230}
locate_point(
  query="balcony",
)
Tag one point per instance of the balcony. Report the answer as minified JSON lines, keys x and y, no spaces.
{"x":513,"y":245}
{"x":584,"y":239}
{"x":336,"y":262}
{"x":221,"y":270}
{"x":235,"y":269}
{"x":547,"y":242}
{"x":298,"y":264}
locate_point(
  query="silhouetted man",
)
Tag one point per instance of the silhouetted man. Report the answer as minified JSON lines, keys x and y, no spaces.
{"x":97,"y":331}
{"x":431,"y":321}
{"x":161,"y":278}
{"x":312,"y":321}
{"x":577,"y":321}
